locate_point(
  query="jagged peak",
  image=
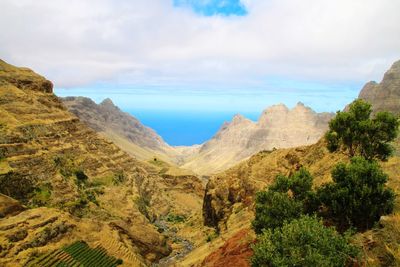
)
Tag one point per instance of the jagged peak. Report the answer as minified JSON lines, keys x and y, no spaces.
{"x":107,"y":102}
{"x":302,"y":108}
{"x":238,"y":118}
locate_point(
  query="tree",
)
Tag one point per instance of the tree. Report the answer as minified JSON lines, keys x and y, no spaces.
{"x":286,"y":199}
{"x":303,"y":242}
{"x":357,"y":197}
{"x":359,"y":134}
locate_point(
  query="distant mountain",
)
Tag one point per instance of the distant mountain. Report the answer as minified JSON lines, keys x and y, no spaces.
{"x":384,"y":96}
{"x":277,"y":127}
{"x":122,"y":128}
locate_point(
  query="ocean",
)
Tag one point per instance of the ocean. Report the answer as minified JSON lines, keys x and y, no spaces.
{"x":185,"y":128}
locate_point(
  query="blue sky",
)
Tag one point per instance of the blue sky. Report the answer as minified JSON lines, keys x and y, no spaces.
{"x":214,"y":7}
{"x":205,"y":56}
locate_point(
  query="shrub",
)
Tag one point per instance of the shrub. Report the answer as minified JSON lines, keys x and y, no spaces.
{"x":175,"y":218}
{"x":303,"y":242}
{"x":359,"y":134}
{"x":357,"y":196}
{"x":286,"y":199}
{"x":119,"y":178}
{"x":81,"y":176}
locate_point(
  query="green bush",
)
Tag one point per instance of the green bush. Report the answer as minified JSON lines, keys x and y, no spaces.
{"x":119,"y":178}
{"x":303,"y":242}
{"x":359,"y":134}
{"x":41,"y":195}
{"x":357,"y":196}
{"x":286,"y":199}
{"x":81,"y":176}
{"x":175,"y":218}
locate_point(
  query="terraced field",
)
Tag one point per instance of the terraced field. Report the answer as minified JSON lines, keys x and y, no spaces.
{"x":79,"y":254}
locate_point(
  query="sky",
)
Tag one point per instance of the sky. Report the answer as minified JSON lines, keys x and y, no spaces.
{"x":205,"y":56}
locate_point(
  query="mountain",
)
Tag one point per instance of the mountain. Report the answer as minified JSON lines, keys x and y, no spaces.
{"x":61,"y":182}
{"x":122,"y":128}
{"x":384,"y":96}
{"x":277,"y":127}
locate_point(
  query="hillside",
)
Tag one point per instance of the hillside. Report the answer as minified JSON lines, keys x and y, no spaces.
{"x":277,"y":127}
{"x":229,"y":198}
{"x":66,"y":183}
{"x":123,"y":129}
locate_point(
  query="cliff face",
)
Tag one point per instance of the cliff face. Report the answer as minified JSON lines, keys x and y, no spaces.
{"x":74,"y":182}
{"x":277,"y":127}
{"x":384,"y":96}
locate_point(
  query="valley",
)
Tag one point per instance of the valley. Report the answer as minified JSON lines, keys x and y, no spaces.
{"x":76,"y":175}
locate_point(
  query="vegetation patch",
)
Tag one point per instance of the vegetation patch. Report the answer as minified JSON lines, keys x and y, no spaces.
{"x":17,"y":236}
{"x":48,"y":233}
{"x":16,"y":186}
{"x":304,"y":242}
{"x":76,"y":254}
{"x":119,"y":178}
{"x":41,"y":195}
{"x":143,"y":204}
{"x":175,"y":218}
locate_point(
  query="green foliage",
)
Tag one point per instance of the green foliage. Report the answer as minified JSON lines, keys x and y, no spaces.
{"x":81,"y":176}
{"x":286,"y":199}
{"x":211,"y":237}
{"x":79,"y":254}
{"x":41,"y":195}
{"x":303,"y":242}
{"x":357,"y":196}
{"x":119,"y":178}
{"x":359,"y":134}
{"x":175,"y":218}
{"x":91,"y":196}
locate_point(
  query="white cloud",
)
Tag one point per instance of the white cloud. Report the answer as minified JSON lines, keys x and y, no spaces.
{"x":78,"y":42}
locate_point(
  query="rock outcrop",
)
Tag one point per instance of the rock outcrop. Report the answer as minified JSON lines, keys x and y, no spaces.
{"x":277,"y":127}
{"x":384,"y":96}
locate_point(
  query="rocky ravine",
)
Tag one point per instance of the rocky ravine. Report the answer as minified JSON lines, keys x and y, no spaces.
{"x":74,"y":184}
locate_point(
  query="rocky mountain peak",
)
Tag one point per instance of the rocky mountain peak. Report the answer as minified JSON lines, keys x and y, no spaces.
{"x":384,"y":96}
{"x":107,"y":102}
{"x":238,"y":118}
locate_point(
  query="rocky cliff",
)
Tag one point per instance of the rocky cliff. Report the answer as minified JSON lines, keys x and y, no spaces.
{"x":74,"y":184}
{"x":277,"y":127}
{"x":384,"y":96}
